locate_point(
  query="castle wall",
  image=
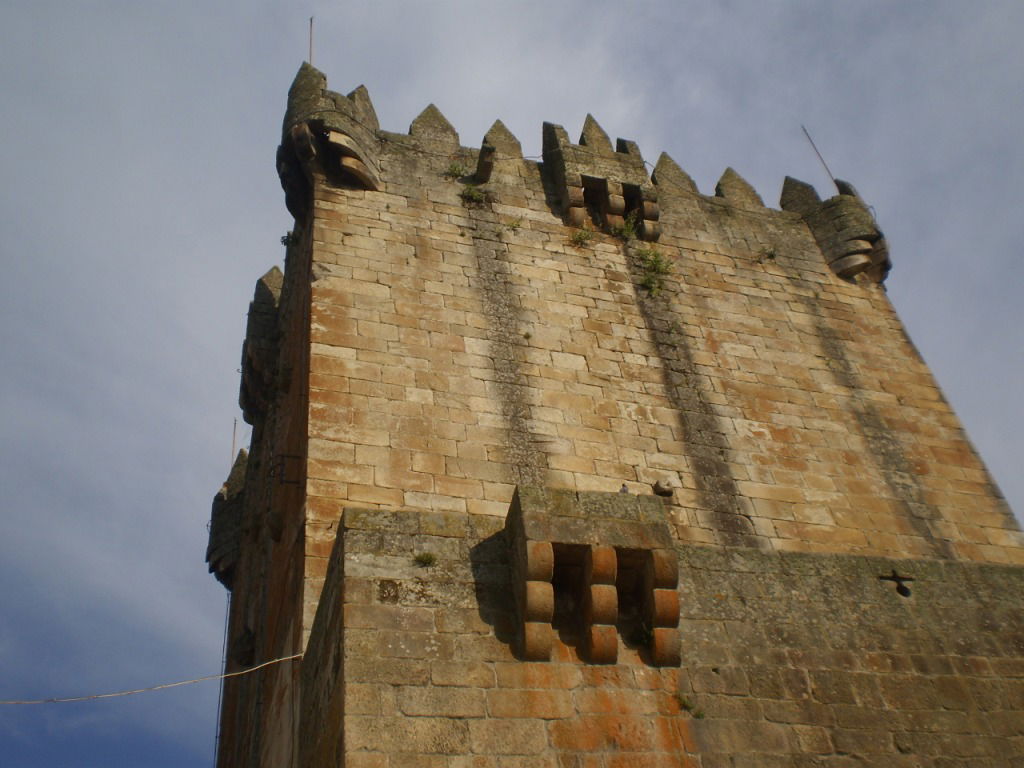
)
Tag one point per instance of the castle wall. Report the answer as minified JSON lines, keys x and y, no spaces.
{"x":457,"y":326}
{"x":458,"y":350}
{"x":788,"y":659}
{"x":265,"y":621}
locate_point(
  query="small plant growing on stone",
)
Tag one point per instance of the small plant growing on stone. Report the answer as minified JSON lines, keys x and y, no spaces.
{"x":454,"y":171}
{"x":581,"y":238}
{"x":766,"y":254}
{"x":643,"y":635}
{"x":514,"y":225}
{"x":527,"y":335}
{"x":472,"y":196}
{"x":289,"y":238}
{"x":687,"y":706}
{"x":425,"y":559}
{"x":654,"y":267}
{"x":626,"y":230}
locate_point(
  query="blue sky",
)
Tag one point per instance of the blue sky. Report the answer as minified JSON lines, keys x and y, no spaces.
{"x":139,"y":203}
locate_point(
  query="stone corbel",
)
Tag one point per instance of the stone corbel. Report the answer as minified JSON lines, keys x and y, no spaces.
{"x":349,"y":161}
{"x":613,"y":183}
{"x":661,"y":605}
{"x":338,"y":133}
{"x":294,"y":157}
{"x":648,"y":226}
{"x":600,"y":604}
{"x":612,"y":554}
{"x":533,"y":568}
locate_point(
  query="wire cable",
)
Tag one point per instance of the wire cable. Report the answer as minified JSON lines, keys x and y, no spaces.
{"x":154,"y":687}
{"x":223,"y":663}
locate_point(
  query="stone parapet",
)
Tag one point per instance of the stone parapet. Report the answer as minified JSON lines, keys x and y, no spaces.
{"x":784,"y":657}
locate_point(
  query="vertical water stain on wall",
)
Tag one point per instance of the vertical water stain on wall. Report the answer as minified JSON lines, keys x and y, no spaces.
{"x":884,"y":447}
{"x":705,"y":443}
{"x":504,"y":332}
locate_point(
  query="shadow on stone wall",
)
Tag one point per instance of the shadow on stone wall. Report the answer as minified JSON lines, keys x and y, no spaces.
{"x":504,"y":333}
{"x":884,"y":448}
{"x":704,"y":440}
{"x":492,"y":584}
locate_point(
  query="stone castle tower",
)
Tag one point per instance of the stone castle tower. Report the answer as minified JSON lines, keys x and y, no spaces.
{"x":563,"y":464}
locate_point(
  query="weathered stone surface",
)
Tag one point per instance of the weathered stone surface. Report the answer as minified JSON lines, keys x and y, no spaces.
{"x":260,"y":352}
{"x":433,"y":126}
{"x":846,"y":578}
{"x":503,"y":141}
{"x":667,"y":171}
{"x":593,"y":136}
{"x":226,"y":524}
{"x":736,"y":189}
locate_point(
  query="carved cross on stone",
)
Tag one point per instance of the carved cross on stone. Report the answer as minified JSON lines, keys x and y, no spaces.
{"x":901,"y":583}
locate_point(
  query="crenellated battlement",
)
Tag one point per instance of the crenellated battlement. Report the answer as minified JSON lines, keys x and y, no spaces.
{"x":612,"y":185}
{"x":594,"y":183}
{"x":338,"y":131}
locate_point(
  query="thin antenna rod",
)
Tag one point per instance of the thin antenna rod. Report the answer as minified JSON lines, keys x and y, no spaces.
{"x":815,"y":148}
{"x":223,"y":665}
{"x":234,"y":431}
{"x":311,"y":41}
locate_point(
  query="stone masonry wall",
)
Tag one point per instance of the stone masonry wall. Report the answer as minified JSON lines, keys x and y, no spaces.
{"x":789,"y":659}
{"x":465,"y":339}
{"x":826,"y":657}
{"x":267,"y":580}
{"x":455,"y":323}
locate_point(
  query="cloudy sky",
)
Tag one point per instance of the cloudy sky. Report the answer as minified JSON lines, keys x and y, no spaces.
{"x":139,"y":203}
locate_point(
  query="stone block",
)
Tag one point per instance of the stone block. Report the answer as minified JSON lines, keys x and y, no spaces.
{"x":429,"y":735}
{"x":441,"y":702}
{"x":507,"y":737}
{"x":543,"y":704}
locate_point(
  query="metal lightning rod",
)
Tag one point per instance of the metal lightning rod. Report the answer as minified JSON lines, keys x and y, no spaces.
{"x":822,"y":159}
